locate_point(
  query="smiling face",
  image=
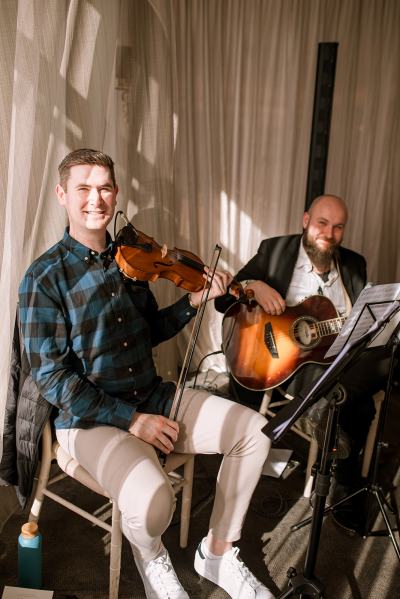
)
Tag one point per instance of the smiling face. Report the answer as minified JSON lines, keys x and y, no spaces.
{"x":89,"y":199}
{"x":324,"y":227}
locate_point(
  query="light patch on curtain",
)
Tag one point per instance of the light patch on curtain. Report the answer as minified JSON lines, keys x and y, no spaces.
{"x":26,"y":19}
{"x":82,"y":30}
{"x":147,"y":139}
{"x":175,"y":120}
{"x":235,"y":227}
{"x":67,"y":123}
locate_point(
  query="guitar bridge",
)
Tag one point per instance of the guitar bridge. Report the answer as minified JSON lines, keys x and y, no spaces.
{"x":269,"y":340}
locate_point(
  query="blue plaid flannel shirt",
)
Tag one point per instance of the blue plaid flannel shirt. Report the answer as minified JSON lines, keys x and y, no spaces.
{"x":88,"y":335}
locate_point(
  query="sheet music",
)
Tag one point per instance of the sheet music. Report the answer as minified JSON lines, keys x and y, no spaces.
{"x":386,"y":333}
{"x":276,"y":462}
{"x":373,"y":304}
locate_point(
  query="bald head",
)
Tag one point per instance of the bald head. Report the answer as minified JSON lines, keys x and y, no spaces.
{"x":324,"y":224}
{"x":331,"y":201}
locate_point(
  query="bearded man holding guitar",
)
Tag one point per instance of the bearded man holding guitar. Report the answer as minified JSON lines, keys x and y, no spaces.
{"x":303,"y":288}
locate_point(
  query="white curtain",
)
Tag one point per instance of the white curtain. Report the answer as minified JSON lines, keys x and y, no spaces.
{"x":206,"y":107}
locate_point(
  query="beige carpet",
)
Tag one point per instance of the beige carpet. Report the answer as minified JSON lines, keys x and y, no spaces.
{"x":348,"y":567}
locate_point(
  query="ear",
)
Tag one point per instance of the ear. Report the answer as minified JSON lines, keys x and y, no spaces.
{"x":306,"y":219}
{"x":60,"y":194}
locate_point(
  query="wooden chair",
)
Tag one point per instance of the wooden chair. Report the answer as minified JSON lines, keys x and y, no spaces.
{"x":267,"y":409}
{"x":370,"y":442}
{"x":70,"y":467}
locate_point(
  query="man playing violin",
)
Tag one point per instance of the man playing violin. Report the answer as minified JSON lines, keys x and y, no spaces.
{"x":88,"y":334}
{"x":284,"y":272}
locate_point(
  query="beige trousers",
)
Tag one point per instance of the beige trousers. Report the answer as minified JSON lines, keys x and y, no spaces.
{"x":129,"y":469}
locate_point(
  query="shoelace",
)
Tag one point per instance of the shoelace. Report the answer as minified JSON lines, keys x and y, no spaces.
{"x":243,"y":569}
{"x":162,"y":575}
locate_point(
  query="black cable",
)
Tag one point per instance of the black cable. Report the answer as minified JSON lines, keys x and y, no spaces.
{"x":201,"y":362}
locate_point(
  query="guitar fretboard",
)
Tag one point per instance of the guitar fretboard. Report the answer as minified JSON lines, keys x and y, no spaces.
{"x":330,"y":327}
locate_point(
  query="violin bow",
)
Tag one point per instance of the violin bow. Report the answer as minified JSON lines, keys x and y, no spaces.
{"x":192,"y":344}
{"x":194,"y":334}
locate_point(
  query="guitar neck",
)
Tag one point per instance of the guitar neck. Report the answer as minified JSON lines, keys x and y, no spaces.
{"x":331,"y":326}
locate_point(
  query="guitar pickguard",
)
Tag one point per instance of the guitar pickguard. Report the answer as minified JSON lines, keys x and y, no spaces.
{"x":270,"y":340}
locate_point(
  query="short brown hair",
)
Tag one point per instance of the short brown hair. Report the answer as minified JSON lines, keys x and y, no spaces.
{"x":84,"y":156}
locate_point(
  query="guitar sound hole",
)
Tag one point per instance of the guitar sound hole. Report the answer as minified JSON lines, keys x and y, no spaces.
{"x":305,"y":332}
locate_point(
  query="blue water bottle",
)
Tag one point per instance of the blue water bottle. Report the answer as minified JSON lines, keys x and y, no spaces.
{"x":30,"y":557}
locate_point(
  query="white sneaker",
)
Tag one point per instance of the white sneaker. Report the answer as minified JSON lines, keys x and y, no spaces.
{"x":231,"y":574}
{"x":159,"y":578}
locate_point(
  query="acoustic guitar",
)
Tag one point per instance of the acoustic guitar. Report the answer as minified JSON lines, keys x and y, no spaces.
{"x":262,"y":351}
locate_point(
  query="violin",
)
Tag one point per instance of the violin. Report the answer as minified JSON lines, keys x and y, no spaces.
{"x":141,"y":258}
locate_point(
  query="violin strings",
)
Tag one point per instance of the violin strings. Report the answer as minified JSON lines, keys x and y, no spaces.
{"x":186,"y":260}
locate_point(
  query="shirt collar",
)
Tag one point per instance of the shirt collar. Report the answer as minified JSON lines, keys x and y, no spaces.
{"x":82,"y":251}
{"x":303,"y":261}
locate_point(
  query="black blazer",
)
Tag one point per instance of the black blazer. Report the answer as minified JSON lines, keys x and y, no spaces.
{"x":275,"y":261}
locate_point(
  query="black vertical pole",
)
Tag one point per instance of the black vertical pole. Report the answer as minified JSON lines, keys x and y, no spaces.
{"x":323,"y":100}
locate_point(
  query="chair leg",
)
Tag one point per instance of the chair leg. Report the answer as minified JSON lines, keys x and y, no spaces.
{"x":43,"y":474}
{"x":115,"y":551}
{"x":312,"y":458}
{"x":265,"y":402}
{"x":188,"y":471}
{"x":370,"y":442}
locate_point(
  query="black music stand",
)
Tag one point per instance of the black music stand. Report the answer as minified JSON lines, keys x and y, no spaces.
{"x":365,"y":323}
{"x":372,"y":486}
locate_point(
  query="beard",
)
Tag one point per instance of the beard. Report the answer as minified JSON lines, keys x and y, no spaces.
{"x":321,"y":258}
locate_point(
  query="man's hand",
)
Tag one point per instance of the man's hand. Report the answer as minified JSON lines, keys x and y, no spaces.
{"x":219,"y":286}
{"x":268,"y":298}
{"x":156,"y":430}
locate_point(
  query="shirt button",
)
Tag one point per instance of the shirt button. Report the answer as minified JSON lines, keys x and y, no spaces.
{"x":187,"y":313}
{"x":86,"y":259}
{"x":119,"y":319}
{"x":112,"y":293}
{"x":130,"y":369}
{"x":125,"y":344}
{"x":92,"y":252}
{"x":135,"y":393}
